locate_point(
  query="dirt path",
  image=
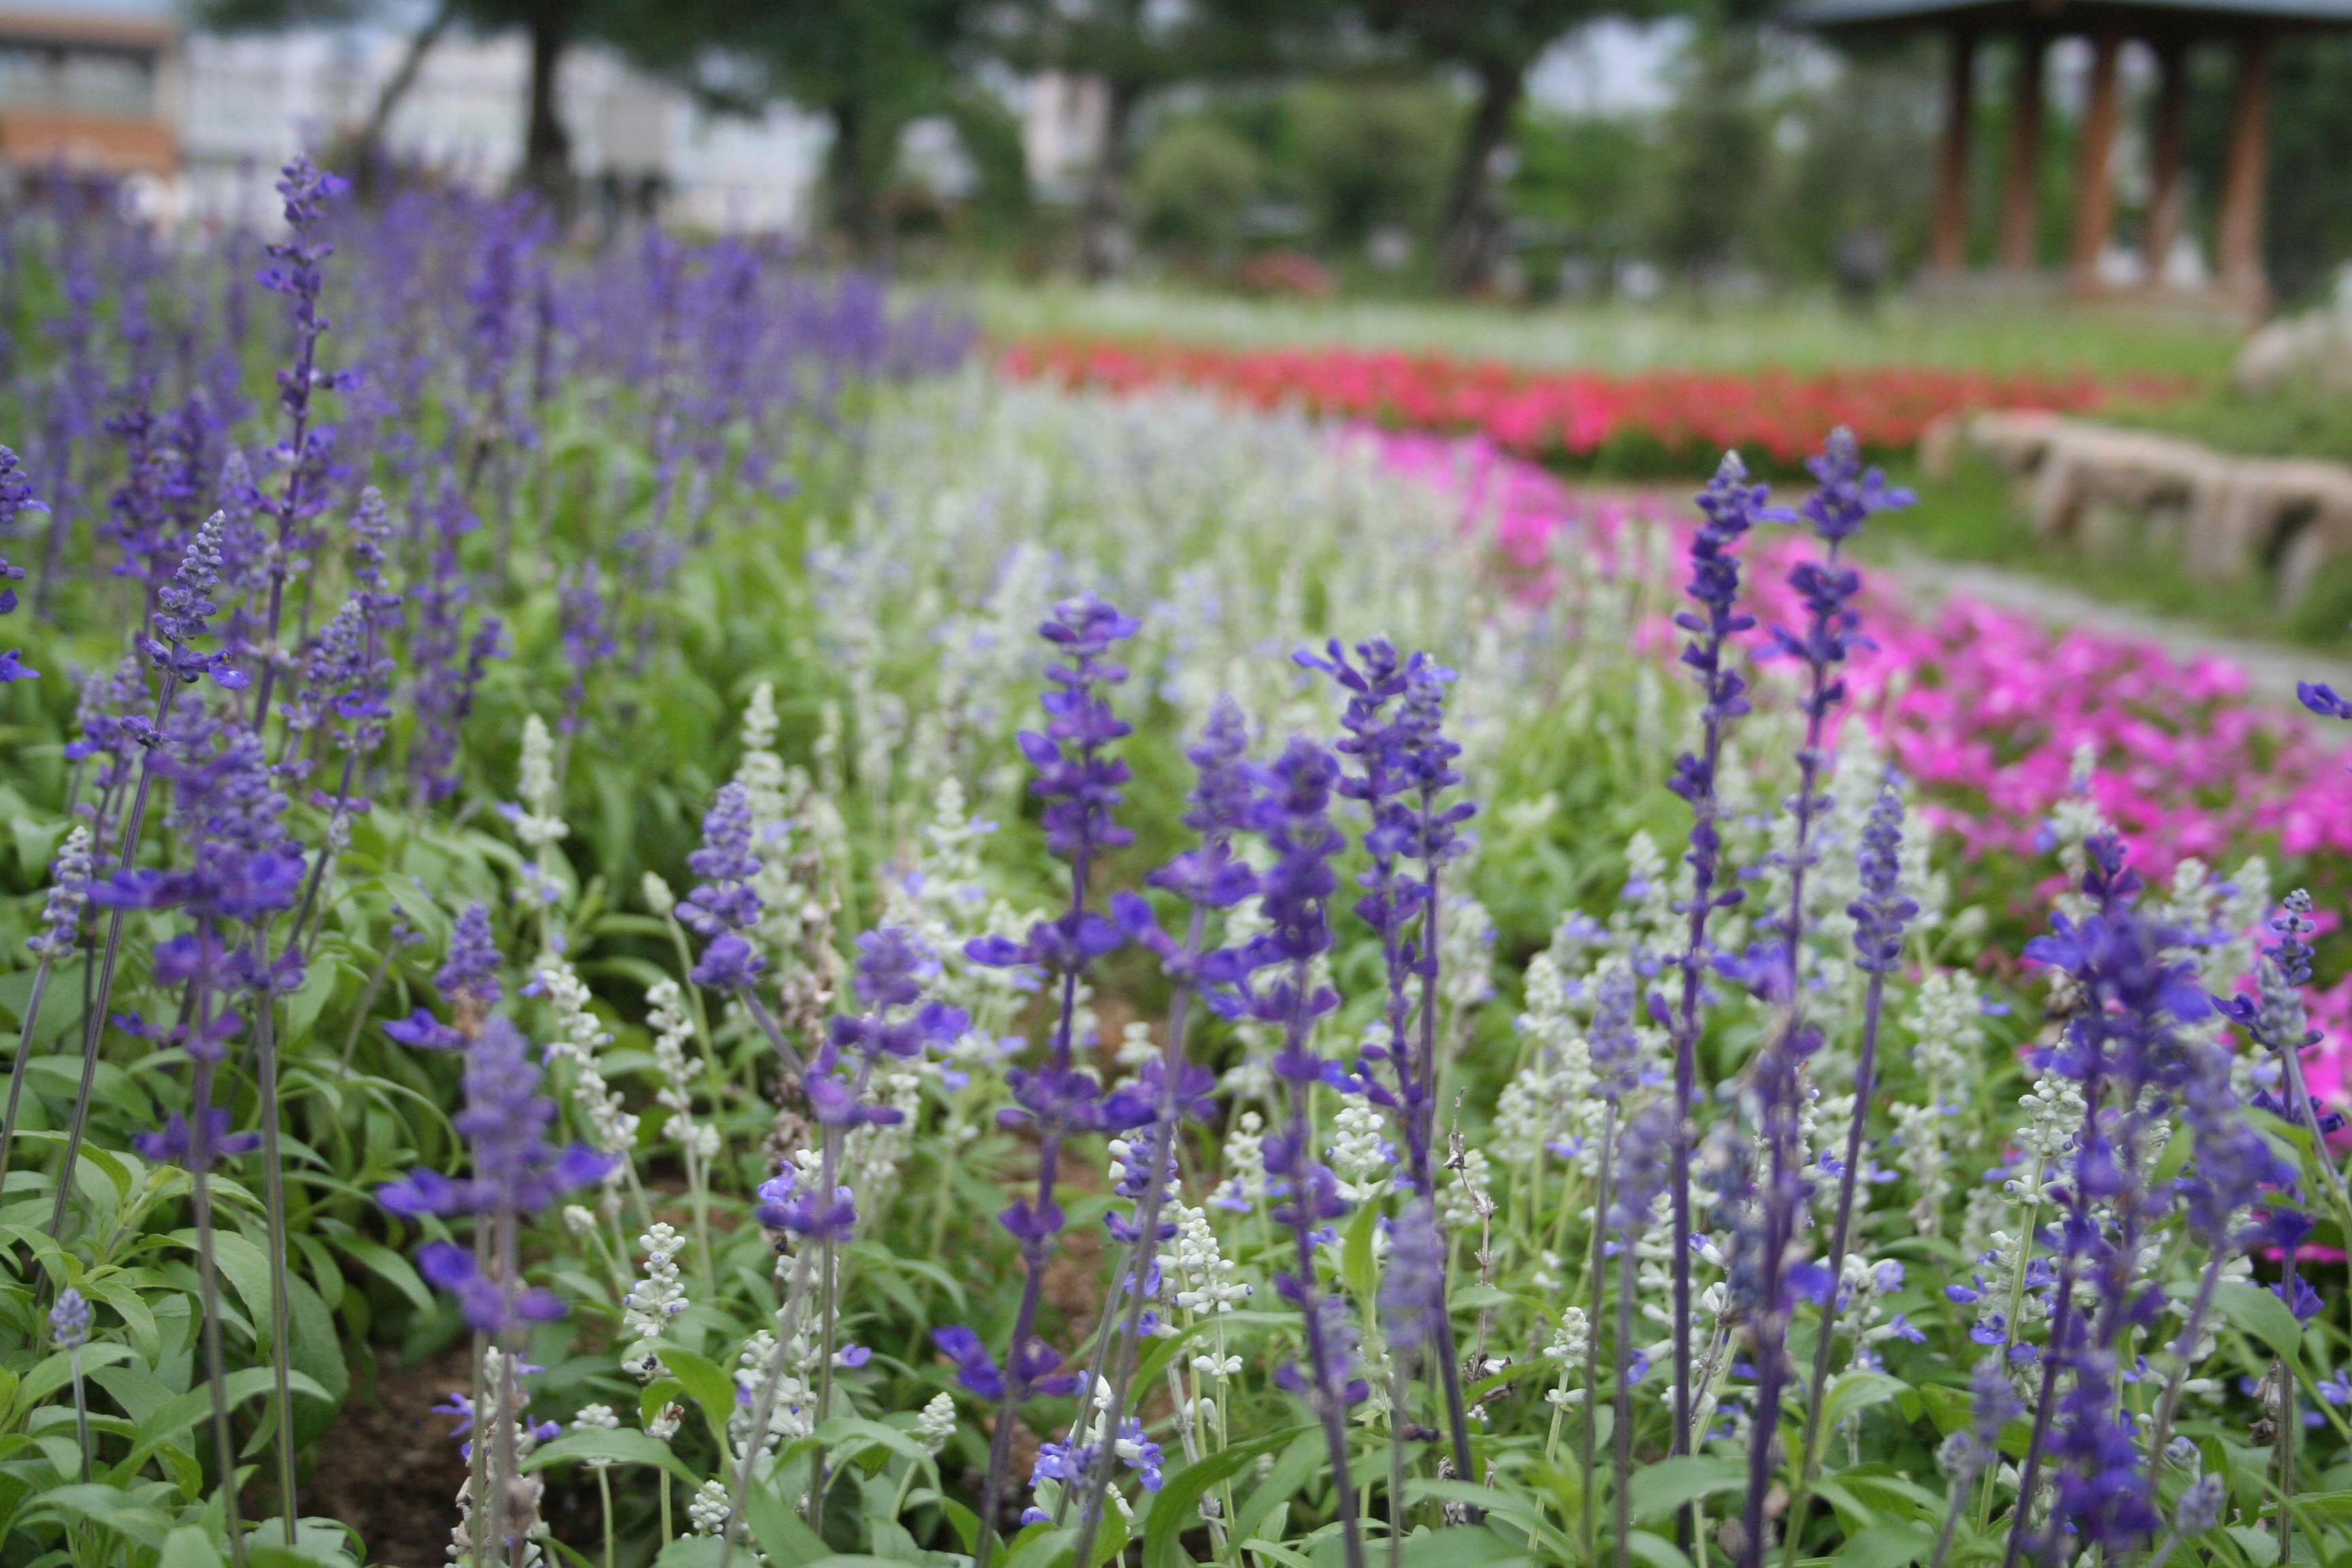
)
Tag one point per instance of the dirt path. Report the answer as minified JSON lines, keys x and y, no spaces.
{"x":2272,"y":668}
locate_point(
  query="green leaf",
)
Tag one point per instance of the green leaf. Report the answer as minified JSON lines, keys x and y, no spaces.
{"x":619,"y":1445}
{"x":388,"y":1266}
{"x":1356,"y":1253}
{"x":189,"y":1547}
{"x":2260,"y":1314}
{"x":851,"y":1435}
{"x":706,"y":1386}
{"x":1886,"y":1546}
{"x":110,"y":1508}
{"x":691,"y":1551}
{"x":1655,"y":1551}
{"x":1039,"y":1545}
{"x":1657,"y":1490}
{"x":2259,"y":1544}
{"x":1298,"y":1462}
{"x":1178,"y":1505}
{"x":788,"y":1543}
{"x":1856,"y":1391}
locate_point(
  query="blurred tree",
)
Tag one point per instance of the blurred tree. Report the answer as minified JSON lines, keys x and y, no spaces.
{"x":1714,"y":153}
{"x":1581,"y":176}
{"x":1193,"y":184}
{"x":648,"y":32}
{"x":1495,"y":43}
{"x":1368,"y":155}
{"x":870,"y":67}
{"x":1137,"y":49}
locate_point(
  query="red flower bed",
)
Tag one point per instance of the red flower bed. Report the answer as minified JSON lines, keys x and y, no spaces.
{"x":1776,"y":415}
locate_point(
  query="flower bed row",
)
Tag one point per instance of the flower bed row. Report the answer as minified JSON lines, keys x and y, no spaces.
{"x":1579,"y":413}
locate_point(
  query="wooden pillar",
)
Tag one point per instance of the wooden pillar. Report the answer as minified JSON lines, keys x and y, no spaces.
{"x":2169,"y":146}
{"x":2020,"y":204}
{"x":2095,"y":193}
{"x":2241,"y":184}
{"x":1947,"y":249}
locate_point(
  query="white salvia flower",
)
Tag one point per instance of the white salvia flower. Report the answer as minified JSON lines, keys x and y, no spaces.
{"x":1570,"y":1337}
{"x":666,"y":1422}
{"x":672,"y":1029}
{"x":658,"y":896}
{"x":1198,"y":1276}
{"x":1135,"y":1044}
{"x":612,"y":1129}
{"x":1466,"y":943}
{"x":794,"y":1413}
{"x":1245,"y":1160}
{"x":578,"y":1220}
{"x":535,"y":820}
{"x":654,"y":1300}
{"x":1361,"y":1155}
{"x":710,"y":1508}
{"x":69,"y":892}
{"x":597,"y":1418}
{"x":936,"y":1423}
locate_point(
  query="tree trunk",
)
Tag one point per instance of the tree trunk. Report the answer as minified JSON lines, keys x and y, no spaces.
{"x":850,"y":180}
{"x":547,"y":146}
{"x":387,"y":101}
{"x":1105,"y":248}
{"x":1474,"y":219}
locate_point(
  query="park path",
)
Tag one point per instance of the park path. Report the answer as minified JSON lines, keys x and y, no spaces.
{"x":2272,"y":668}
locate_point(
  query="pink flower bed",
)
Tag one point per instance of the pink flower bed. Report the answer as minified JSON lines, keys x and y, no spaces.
{"x":1985,"y":709}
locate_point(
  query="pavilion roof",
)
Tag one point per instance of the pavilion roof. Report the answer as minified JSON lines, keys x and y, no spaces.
{"x":2146,"y":17}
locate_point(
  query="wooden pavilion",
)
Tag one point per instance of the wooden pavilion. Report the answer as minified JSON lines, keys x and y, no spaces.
{"x":2249,"y":28}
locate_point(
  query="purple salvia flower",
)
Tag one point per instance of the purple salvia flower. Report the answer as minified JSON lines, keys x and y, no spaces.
{"x":1730,"y":507}
{"x":15,"y":500}
{"x":1293,"y":816}
{"x":587,"y":638}
{"x":1412,"y":1288}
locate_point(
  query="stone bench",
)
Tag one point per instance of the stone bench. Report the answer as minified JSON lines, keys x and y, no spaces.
{"x":2274,"y":519}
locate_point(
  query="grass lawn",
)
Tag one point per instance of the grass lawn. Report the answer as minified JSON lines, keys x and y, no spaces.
{"x":1800,"y":333}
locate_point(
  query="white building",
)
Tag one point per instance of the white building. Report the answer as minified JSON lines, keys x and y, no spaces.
{"x":246,"y":103}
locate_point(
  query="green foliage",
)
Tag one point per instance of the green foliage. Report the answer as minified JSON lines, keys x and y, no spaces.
{"x":1193,"y":184}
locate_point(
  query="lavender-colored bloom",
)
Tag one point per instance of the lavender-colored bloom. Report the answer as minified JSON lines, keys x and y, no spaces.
{"x":196,"y":1143}
{"x":975,"y":1368}
{"x":1642,"y":1167}
{"x":1882,"y":912}
{"x":183,"y":611}
{"x":724,"y":901}
{"x":1847,"y":494}
{"x":587,"y":638}
{"x":2199,"y":1508}
{"x":506,"y":1120}
{"x":1730,"y":507}
{"x":16,"y":499}
{"x":1080,"y":784}
{"x":471,"y":970}
{"x":1413,"y":1291}
{"x":69,"y":1319}
{"x":1614,"y":1046}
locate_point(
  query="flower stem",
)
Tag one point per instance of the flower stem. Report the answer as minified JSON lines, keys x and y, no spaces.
{"x":1864,"y":1085}
{"x":273,"y":1176}
{"x":17,"y":1072}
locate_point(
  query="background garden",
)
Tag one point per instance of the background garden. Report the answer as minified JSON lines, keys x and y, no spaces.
{"x":677,"y":904}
